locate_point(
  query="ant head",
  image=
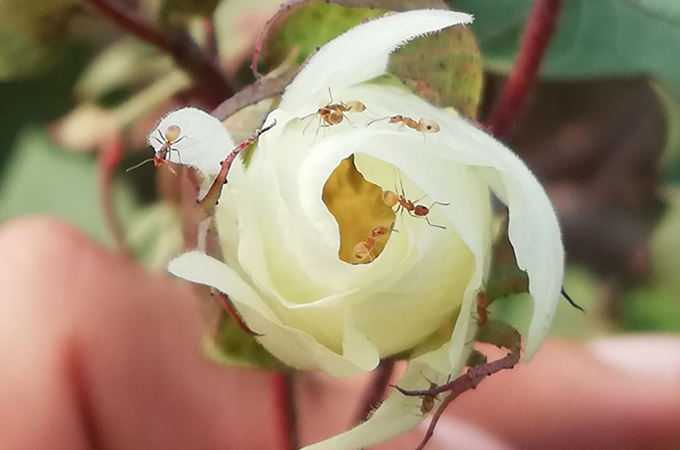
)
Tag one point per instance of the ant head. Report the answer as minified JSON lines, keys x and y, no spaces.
{"x":379,"y":231}
{"x":428,"y":126}
{"x":172,"y":133}
{"x":159,"y":158}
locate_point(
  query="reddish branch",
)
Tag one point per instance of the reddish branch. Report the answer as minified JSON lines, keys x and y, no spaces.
{"x":376,"y":390}
{"x":189,"y":188}
{"x":110,"y":158}
{"x":211,"y":48}
{"x":470,"y":379}
{"x":212,"y":197}
{"x":229,"y":309}
{"x":540,"y":29}
{"x":284,"y":402}
{"x":205,"y":72}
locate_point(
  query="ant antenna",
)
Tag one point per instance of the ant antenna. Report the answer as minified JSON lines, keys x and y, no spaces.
{"x":571,"y":301}
{"x":376,"y":120}
{"x":138,"y":165}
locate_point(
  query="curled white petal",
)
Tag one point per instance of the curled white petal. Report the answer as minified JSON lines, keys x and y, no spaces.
{"x":289,"y":344}
{"x":192,"y":137}
{"x":362,"y":53}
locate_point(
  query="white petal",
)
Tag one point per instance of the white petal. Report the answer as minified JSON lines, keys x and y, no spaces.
{"x":533,"y":228}
{"x":203,"y":141}
{"x":362,"y":53}
{"x":398,"y":413}
{"x":290,"y":345}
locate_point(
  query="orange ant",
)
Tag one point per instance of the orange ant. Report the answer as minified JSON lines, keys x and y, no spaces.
{"x":167,"y":140}
{"x":423,"y":125}
{"x":391,"y":199}
{"x":364,"y":250}
{"x":429,"y":396}
{"x":428,"y":400}
{"x":334,"y":113}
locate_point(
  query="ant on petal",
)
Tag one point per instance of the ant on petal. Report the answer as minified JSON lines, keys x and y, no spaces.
{"x":167,"y":140}
{"x":334,"y":113}
{"x":363,"y":251}
{"x":391,"y":199}
{"x":422,"y":125}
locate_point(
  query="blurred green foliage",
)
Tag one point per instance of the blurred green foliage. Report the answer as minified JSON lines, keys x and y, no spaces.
{"x":305,"y":28}
{"x":44,"y":179}
{"x":31,"y":34}
{"x":593,"y":39}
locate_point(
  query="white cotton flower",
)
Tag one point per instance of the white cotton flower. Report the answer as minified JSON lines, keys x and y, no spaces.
{"x":297,"y":224}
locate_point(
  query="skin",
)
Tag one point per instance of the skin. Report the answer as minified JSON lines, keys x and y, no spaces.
{"x":99,"y":353}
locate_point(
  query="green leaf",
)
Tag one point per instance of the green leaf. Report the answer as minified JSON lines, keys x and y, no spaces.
{"x":444,"y":68}
{"x":308,"y":26}
{"x":667,"y":10}
{"x":41,"y":178}
{"x":235,"y":347}
{"x":31,"y":34}
{"x":594,"y":39}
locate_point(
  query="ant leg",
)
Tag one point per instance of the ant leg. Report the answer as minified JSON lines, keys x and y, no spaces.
{"x":432,"y":224}
{"x":180,"y":138}
{"x":304,"y":130}
{"x":330,"y":94}
{"x":319,"y":124}
{"x":179,"y":155}
{"x":348,"y":121}
{"x":440,"y":204}
{"x":428,"y":380}
{"x":159,"y":141}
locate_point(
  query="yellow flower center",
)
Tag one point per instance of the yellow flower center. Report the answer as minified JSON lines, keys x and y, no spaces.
{"x":364,"y":219}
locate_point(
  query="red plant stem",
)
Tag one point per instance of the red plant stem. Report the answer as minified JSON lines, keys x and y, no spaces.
{"x":284,"y":402}
{"x":211,"y":47}
{"x":231,"y":311}
{"x":189,"y":187}
{"x":376,"y":390}
{"x":205,"y":72}
{"x":211,"y":198}
{"x":540,"y":29}
{"x":110,"y":158}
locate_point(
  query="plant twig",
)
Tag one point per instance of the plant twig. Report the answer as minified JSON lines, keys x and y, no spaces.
{"x":225,"y":301}
{"x":110,"y":158}
{"x":211,"y":198}
{"x":376,"y":389}
{"x":510,"y":339}
{"x":284,"y":400}
{"x":205,"y":72}
{"x":189,"y":188}
{"x":540,"y":29}
{"x":211,"y":47}
{"x":268,"y":86}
